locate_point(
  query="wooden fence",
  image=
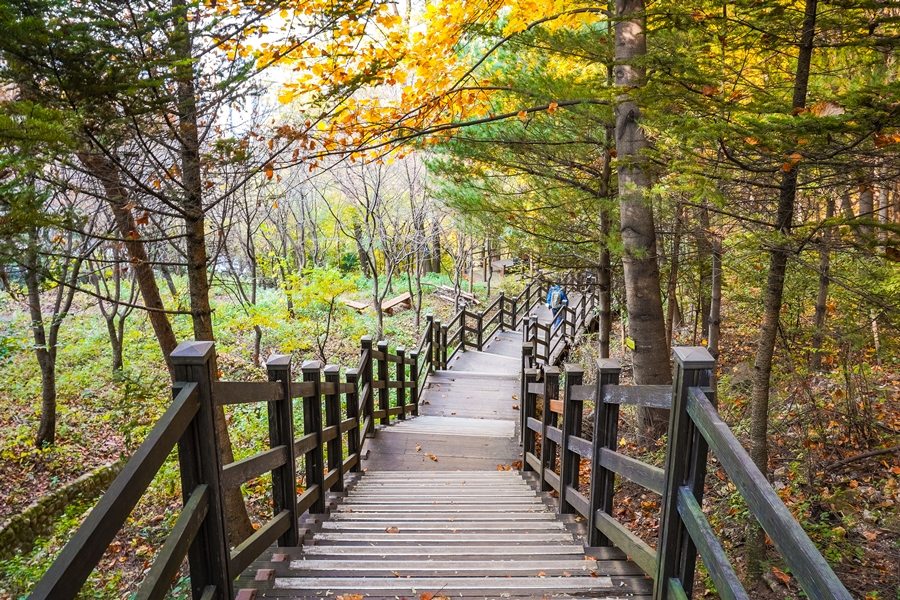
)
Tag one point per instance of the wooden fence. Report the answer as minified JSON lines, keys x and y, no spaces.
{"x":336,"y":418}
{"x":694,"y":428}
{"x":468,"y":330}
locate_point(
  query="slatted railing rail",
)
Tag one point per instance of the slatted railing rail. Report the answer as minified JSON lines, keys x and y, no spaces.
{"x":329,"y":447}
{"x":468,"y":330}
{"x":694,"y":427}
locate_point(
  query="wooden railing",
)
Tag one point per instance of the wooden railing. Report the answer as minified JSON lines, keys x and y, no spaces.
{"x":468,"y":330}
{"x":694,"y":428}
{"x":328,"y":448}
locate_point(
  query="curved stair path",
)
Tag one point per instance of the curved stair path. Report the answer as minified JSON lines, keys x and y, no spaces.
{"x":442,"y":511}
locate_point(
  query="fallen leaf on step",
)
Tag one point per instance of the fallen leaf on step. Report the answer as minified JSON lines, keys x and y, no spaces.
{"x":350,"y":597}
{"x":396,"y":573}
{"x":515,"y":407}
{"x":426,"y":596}
{"x":426,"y":402}
{"x":432,"y":457}
{"x":514,"y":397}
{"x":542,"y":574}
{"x":566,"y":574}
{"x":392,"y":529}
{"x":586,"y":557}
{"x":453,"y":413}
{"x":418,"y":447}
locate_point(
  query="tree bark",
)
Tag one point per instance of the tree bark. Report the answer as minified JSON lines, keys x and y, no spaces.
{"x":44,"y":352}
{"x":117,"y":197}
{"x":778,"y":256}
{"x":672,"y":285}
{"x":361,"y":251}
{"x":638,"y":230}
{"x":815,"y":358}
{"x":704,"y":259}
{"x":239,"y":526}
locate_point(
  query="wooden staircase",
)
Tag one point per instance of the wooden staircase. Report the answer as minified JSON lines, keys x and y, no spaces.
{"x":444,"y":534}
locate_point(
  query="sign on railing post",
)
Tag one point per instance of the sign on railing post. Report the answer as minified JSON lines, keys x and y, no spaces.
{"x":685,"y":466}
{"x":606,"y":428}
{"x":414,"y":377}
{"x":333,"y":419}
{"x":548,"y":418}
{"x":281,"y":433}
{"x":384,"y":398}
{"x":572,"y":416}
{"x":312,"y":423}
{"x":209,"y":556}
{"x":401,"y":378}
{"x":353,"y":441}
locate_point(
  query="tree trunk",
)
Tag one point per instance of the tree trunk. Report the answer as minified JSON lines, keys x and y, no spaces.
{"x":167,"y":275}
{"x":239,"y":526}
{"x":435,"y":247}
{"x":642,"y":291}
{"x":866,"y":207}
{"x":46,"y":356}
{"x":672,"y":286}
{"x":778,"y":256}
{"x":704,"y":260}
{"x":815,"y":358}
{"x":115,"y":342}
{"x":715,"y":306}
{"x":118,"y":198}
{"x":361,"y":251}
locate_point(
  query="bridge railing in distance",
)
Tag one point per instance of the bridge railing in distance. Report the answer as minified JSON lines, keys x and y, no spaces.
{"x":694,"y":427}
{"x":336,"y":418}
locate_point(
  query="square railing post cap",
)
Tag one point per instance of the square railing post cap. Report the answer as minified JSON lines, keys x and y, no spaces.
{"x":192,"y":353}
{"x":694,"y":357}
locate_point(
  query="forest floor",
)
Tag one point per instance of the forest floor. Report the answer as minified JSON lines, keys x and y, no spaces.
{"x":818,"y":420}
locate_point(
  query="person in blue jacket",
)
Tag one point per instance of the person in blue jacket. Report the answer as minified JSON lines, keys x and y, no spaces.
{"x":556,"y":299}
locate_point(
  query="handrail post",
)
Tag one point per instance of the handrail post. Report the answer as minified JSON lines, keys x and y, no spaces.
{"x":548,"y":418}
{"x":444,"y":329}
{"x":480,"y":336}
{"x":333,"y":418}
{"x":685,"y":466}
{"x":281,"y":433}
{"x":312,"y":423}
{"x":502,"y":310}
{"x":529,"y":410}
{"x":606,"y":429}
{"x":353,"y":436}
{"x":429,"y":335}
{"x":414,"y":375}
{"x":525,"y":326}
{"x":527,"y":350}
{"x":401,"y":378}
{"x":209,"y":556}
{"x":436,"y":345}
{"x":366,"y":380}
{"x":569,"y":462}
{"x":514,"y":313}
{"x":462,"y":330}
{"x":384,"y":398}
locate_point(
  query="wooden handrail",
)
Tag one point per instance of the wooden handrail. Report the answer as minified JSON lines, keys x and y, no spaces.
{"x":200,"y":531}
{"x":694,"y":426}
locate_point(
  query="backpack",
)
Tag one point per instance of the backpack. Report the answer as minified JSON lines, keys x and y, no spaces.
{"x":555,"y":298}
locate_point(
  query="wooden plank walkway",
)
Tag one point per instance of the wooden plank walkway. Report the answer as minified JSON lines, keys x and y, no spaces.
{"x":438,"y":513}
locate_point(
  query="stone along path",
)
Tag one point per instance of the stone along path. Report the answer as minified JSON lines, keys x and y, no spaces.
{"x":433,"y":516}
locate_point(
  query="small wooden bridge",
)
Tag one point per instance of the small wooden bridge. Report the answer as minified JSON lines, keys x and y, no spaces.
{"x":448,"y":471}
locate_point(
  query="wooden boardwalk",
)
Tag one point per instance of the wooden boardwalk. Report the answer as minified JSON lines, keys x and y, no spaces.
{"x":442,"y":510}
